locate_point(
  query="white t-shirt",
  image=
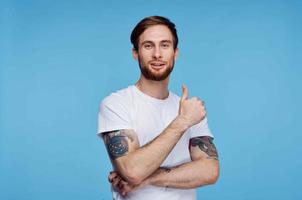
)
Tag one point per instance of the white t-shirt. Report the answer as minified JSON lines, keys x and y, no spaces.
{"x":130,"y":108}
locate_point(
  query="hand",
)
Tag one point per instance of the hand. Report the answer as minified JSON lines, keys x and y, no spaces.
{"x":118,"y":184}
{"x":122,"y":186}
{"x":192,"y":111}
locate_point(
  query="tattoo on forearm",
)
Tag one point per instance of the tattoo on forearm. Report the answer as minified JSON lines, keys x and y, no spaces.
{"x":117,"y":143}
{"x":166,"y":169}
{"x":205,"y":144}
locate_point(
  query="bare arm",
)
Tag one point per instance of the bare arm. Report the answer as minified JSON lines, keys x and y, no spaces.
{"x":136,"y":163}
{"x":203,"y":170}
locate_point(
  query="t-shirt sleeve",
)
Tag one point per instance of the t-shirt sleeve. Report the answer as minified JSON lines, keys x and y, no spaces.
{"x":113,"y":115}
{"x":201,"y":129}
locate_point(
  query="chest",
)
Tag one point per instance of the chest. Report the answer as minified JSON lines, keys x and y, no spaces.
{"x":149,"y":120}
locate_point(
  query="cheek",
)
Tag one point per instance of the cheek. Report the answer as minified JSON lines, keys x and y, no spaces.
{"x":142,"y":60}
{"x":172,"y":57}
{"x":144,"y":56}
{"x":170,"y":54}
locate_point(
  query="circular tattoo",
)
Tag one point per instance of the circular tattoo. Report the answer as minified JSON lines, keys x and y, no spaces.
{"x":117,"y":146}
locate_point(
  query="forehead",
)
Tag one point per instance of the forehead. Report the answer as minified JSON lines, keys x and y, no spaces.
{"x":156,"y":33}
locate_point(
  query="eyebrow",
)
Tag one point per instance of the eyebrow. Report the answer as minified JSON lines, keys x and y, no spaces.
{"x":166,"y":41}
{"x":146,"y":41}
{"x":163,"y":41}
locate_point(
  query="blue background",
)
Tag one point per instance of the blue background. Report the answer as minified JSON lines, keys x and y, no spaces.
{"x":60,"y":58}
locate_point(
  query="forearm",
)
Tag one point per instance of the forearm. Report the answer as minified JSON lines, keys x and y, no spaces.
{"x":137,"y":163}
{"x":142,"y":162}
{"x":189,"y":175}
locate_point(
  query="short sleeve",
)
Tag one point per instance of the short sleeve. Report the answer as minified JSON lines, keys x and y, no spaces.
{"x":201,"y":129}
{"x":113,"y":115}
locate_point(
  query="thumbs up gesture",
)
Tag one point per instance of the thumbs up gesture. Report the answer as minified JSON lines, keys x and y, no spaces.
{"x":192,"y":111}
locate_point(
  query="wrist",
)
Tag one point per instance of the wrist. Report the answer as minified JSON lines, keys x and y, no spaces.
{"x":160,"y":177}
{"x":182,"y":123}
{"x":153,"y":179}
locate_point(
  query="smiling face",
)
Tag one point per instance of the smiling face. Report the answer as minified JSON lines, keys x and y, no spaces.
{"x":156,"y":53}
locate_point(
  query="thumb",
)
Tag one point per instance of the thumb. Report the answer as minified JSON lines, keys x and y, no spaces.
{"x":185,"y":92}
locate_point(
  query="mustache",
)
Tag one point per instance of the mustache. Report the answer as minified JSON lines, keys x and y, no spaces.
{"x":160,"y":61}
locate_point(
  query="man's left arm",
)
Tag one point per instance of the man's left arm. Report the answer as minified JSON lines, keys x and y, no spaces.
{"x":202,"y":170}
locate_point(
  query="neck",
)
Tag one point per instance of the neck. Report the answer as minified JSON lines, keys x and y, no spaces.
{"x":156,"y":89}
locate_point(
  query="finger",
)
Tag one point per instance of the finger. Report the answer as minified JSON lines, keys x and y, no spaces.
{"x":112,"y":176}
{"x":124,"y":193}
{"x":198,"y":99}
{"x":116,"y":181}
{"x":194,"y":99}
{"x":120,"y":185}
{"x":124,"y":187}
{"x":125,"y":190}
{"x":185,"y":92}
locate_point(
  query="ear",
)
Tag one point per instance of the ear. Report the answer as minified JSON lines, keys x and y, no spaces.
{"x":134,"y":54}
{"x":176,"y":52}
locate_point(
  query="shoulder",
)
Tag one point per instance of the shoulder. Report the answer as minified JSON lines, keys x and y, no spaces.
{"x":115,"y":111}
{"x":122,"y":96}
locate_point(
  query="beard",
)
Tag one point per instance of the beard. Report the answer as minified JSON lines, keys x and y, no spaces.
{"x":148,"y":74}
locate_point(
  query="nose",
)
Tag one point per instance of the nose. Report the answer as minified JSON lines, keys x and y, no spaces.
{"x":156,"y":53}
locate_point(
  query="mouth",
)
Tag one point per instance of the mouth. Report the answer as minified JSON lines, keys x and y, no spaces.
{"x":157,"y":65}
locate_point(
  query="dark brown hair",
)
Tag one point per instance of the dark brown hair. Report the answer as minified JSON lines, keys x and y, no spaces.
{"x":152,"y":21}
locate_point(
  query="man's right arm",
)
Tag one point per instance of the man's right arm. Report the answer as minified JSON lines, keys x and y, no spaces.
{"x":135,"y":163}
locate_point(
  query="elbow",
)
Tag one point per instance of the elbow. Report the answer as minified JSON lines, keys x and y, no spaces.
{"x":129,"y":171}
{"x":132,"y":176}
{"x":213,"y":175}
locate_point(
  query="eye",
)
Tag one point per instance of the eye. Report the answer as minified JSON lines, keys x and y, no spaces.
{"x":147,"y":46}
{"x":165,"y":45}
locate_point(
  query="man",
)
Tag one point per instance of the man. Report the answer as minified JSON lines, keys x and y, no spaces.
{"x":159,"y":144}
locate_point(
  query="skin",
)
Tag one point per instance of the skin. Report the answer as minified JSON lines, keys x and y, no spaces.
{"x":157,"y":51}
{"x":185,"y":176}
{"x":135,"y":166}
{"x":156,"y":35}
